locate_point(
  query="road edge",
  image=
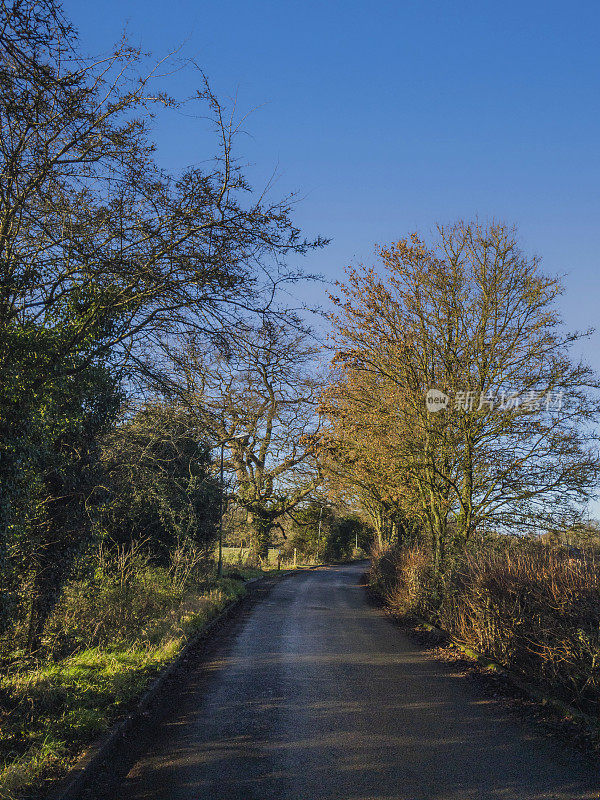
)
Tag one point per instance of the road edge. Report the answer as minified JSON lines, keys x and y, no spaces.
{"x":73,"y":782}
{"x":534,"y":693}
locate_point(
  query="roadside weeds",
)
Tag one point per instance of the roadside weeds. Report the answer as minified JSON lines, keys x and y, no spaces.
{"x":81,"y":773}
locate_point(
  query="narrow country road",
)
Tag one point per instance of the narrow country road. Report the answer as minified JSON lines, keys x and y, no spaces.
{"x":317,"y":695}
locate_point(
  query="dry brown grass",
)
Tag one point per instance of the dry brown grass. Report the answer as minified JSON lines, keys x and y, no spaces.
{"x":532,"y":609}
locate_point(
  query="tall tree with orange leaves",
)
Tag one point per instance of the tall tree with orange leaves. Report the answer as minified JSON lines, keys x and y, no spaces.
{"x":360,"y":448}
{"x":472,"y":320}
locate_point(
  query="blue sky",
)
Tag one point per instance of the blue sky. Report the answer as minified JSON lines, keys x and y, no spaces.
{"x":389,"y":116}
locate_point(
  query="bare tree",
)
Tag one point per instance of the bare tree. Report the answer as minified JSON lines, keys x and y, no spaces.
{"x":260,"y":398}
{"x":93,"y":234}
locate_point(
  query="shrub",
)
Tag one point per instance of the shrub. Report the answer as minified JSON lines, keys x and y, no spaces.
{"x":532,"y":609}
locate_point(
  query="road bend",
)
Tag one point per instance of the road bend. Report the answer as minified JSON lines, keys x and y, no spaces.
{"x":315,"y":695}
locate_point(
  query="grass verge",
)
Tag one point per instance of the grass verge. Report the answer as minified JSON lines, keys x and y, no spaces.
{"x":51,"y":710}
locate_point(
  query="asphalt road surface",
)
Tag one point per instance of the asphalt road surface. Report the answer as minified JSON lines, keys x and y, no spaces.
{"x":315,"y":695}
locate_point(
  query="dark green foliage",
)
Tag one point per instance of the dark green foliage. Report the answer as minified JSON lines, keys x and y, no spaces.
{"x":160,"y":487}
{"x":49,"y":466}
{"x":344,"y":535}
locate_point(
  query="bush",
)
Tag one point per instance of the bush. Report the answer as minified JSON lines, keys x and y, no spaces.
{"x":534,"y":610}
{"x":406,"y":580}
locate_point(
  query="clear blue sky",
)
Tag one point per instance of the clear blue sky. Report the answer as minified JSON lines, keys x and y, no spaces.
{"x":389,"y":116}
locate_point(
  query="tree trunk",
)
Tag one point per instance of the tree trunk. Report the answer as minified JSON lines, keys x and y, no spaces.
{"x":44,"y":596}
{"x":261,"y":534}
{"x":377,"y":521}
{"x":439,"y":544}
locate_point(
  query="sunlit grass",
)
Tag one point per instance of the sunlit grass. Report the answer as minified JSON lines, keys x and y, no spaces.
{"x":51,"y":711}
